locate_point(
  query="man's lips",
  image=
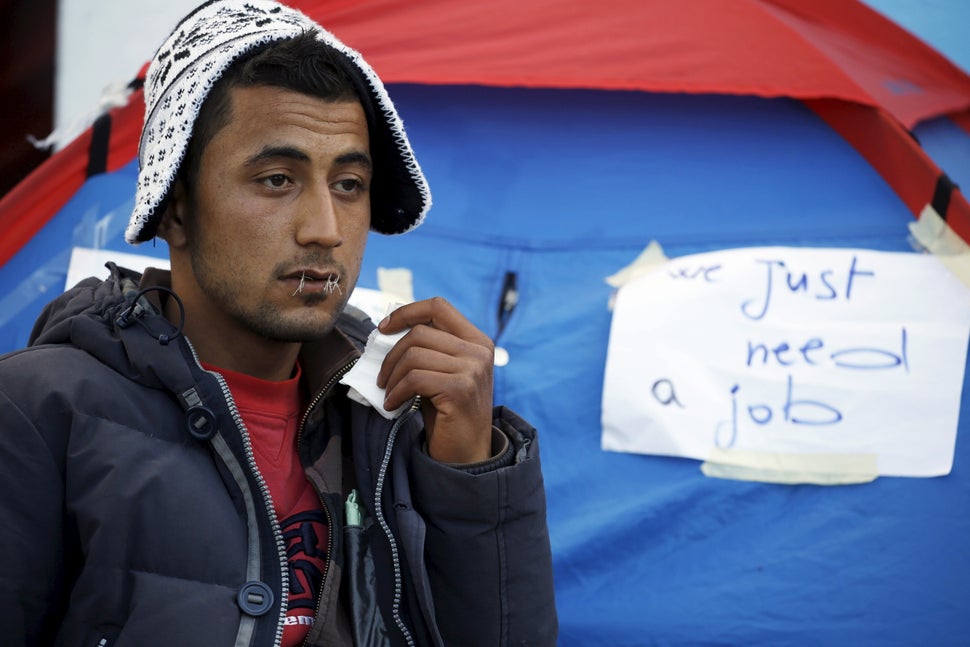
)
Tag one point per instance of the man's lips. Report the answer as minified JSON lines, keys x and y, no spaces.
{"x":312,"y":275}
{"x":312,"y":280}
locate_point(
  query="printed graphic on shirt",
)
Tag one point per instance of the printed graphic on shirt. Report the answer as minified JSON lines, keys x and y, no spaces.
{"x":306,"y":537}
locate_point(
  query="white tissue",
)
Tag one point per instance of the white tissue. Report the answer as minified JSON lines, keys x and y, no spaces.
{"x":362,"y":378}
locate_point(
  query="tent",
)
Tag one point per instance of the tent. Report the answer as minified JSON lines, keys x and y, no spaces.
{"x":559,"y":140}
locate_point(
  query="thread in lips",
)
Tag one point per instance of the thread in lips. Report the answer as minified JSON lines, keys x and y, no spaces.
{"x":332,"y":285}
{"x":299,"y":289}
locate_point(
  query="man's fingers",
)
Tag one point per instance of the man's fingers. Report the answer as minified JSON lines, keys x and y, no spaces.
{"x":442,"y":343}
{"x":446,"y":391}
{"x":396,"y":366}
{"x":435,"y":312}
{"x":448,"y":361}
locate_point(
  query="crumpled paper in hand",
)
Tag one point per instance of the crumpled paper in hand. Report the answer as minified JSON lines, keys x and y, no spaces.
{"x":362,"y":378}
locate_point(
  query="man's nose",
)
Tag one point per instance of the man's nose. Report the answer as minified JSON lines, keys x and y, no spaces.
{"x":317,"y":222}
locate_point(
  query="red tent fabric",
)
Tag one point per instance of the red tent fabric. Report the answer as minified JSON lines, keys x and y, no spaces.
{"x":34,"y":201}
{"x":868,"y":78}
{"x":830,"y":49}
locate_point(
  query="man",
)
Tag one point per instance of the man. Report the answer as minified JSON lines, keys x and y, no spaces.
{"x":181,"y":464}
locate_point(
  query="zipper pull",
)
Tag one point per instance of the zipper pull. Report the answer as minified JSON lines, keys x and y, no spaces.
{"x":508,"y":301}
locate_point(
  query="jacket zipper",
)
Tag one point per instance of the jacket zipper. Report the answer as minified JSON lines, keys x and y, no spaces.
{"x":321,"y":394}
{"x":507,"y":301}
{"x":379,"y":512}
{"x":378,"y":508}
{"x":253,"y":570}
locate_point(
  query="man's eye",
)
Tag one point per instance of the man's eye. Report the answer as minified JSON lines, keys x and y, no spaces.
{"x":348,"y":186}
{"x":277,"y":181}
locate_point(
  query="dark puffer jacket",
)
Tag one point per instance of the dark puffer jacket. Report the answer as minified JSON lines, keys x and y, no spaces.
{"x":133,"y":513}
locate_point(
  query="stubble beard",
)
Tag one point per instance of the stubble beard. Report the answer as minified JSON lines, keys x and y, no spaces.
{"x":267,"y":319}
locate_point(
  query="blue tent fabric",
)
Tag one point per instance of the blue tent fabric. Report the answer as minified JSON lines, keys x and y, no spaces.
{"x":95,"y":217}
{"x":563,"y":189}
{"x":600,"y":167}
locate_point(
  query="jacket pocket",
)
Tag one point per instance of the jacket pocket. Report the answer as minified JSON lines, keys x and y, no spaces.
{"x":365,"y":616}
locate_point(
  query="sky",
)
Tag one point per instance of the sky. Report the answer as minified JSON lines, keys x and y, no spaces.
{"x":941,"y":23}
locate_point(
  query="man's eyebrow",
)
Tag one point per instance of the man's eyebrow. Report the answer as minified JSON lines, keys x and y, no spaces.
{"x":271,"y":152}
{"x":355,"y":157}
{"x":289,"y":152}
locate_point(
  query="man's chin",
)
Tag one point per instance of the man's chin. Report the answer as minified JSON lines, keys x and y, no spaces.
{"x":302,"y":328}
{"x":302,"y":333}
{"x":294,"y":325}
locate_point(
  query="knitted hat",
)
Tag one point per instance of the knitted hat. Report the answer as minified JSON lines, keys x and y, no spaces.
{"x":195,"y":56}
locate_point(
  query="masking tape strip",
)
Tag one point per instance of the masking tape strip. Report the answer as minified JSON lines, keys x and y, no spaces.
{"x":791,"y":469}
{"x":649,"y":258}
{"x":933,"y":234}
{"x":396,"y":284}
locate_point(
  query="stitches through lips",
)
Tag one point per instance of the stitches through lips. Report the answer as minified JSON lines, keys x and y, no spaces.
{"x":332,"y":280}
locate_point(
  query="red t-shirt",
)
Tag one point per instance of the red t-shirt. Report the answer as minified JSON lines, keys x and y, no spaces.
{"x":271,"y":412}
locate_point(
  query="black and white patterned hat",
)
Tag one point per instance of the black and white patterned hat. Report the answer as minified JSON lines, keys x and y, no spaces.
{"x":195,"y":56}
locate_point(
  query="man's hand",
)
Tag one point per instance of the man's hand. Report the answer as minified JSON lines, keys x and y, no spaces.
{"x":448,"y":362}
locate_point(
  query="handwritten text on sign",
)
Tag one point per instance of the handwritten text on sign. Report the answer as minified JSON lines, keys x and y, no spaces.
{"x":790,"y":351}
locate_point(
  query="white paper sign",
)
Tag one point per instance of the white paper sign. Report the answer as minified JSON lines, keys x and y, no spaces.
{"x":790,"y":351}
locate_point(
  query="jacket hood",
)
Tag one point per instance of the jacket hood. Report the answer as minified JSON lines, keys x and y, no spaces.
{"x":92,"y":300}
{"x":90,"y":316}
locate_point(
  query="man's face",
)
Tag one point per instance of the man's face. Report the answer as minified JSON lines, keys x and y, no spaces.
{"x":278,"y":220}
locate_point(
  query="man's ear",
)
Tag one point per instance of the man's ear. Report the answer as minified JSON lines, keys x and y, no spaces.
{"x":171,"y":228}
